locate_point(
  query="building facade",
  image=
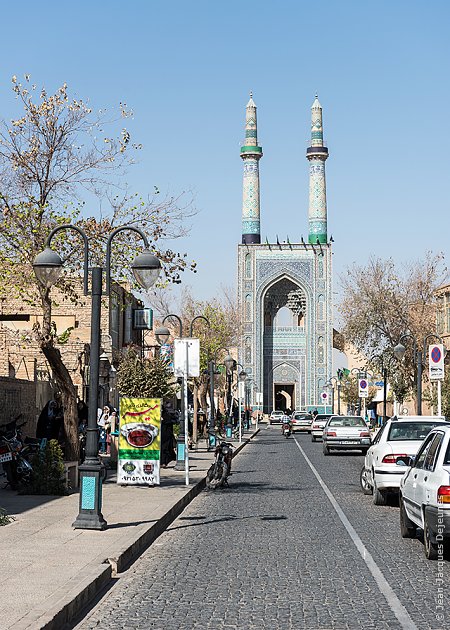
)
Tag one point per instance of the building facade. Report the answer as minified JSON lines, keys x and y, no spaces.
{"x":285,"y":289}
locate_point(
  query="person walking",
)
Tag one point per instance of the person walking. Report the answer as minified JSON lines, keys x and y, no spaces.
{"x":169,"y":418}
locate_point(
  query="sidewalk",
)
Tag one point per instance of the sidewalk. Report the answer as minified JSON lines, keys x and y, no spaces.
{"x":50,"y":571}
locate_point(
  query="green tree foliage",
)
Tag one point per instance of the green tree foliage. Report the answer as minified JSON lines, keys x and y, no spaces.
{"x":48,"y":475}
{"x":54,"y":155}
{"x":382,"y":301}
{"x":144,"y":378}
{"x":5,"y":518}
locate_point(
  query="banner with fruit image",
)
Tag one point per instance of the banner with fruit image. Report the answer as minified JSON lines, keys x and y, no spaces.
{"x":139,"y":441}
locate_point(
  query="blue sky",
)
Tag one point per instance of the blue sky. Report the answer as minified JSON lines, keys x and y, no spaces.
{"x":381,"y":70}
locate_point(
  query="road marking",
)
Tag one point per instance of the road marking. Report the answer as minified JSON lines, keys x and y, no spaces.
{"x":386,"y":590}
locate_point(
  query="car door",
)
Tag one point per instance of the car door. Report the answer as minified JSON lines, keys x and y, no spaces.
{"x":371,"y":453}
{"x":422,"y":491}
{"x":409,"y":483}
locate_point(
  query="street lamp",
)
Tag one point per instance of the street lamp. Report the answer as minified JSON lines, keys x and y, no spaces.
{"x":418,"y":355}
{"x":384,"y":372}
{"x":211,"y":422}
{"x":242,"y":376}
{"x":47,"y":267}
{"x":162,"y":334}
{"x":230,"y":365}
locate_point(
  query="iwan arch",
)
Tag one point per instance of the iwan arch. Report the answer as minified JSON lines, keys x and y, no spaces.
{"x":285,"y":289}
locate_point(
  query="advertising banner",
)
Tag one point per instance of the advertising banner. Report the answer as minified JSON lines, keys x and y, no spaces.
{"x":139,"y":441}
{"x":187,"y":357}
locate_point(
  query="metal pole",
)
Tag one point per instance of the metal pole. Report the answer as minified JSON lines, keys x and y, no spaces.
{"x":229,"y":426}
{"x":211,"y":432}
{"x":92,"y":470}
{"x":439,"y":397}
{"x":419,"y":383}
{"x":240,"y":414}
{"x":186,"y":417}
{"x":385,"y":375}
{"x":339,"y":399}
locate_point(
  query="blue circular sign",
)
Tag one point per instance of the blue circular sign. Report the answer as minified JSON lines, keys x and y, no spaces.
{"x":436,"y":355}
{"x":363,"y":384}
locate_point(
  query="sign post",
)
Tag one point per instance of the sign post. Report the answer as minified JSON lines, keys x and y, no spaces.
{"x":186,"y":364}
{"x":363,"y":392}
{"x":437,"y":369}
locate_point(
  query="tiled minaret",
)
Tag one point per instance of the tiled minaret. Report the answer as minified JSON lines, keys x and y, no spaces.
{"x":251,"y":153}
{"x":317,"y":153}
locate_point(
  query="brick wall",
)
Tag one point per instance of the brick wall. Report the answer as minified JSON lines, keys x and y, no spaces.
{"x":18,"y":396}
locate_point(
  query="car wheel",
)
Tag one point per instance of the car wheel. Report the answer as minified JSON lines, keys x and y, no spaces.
{"x":364,"y":451}
{"x":326,"y":450}
{"x":379,"y":497}
{"x":365,"y":481}
{"x":407,"y":527}
{"x":431,"y":548}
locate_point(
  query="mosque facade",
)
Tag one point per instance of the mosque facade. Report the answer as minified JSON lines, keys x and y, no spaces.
{"x":285,"y":289}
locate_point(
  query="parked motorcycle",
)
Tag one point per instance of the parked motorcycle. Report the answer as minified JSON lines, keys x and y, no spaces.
{"x":220,"y":469}
{"x":287,"y":429}
{"x":13,"y":455}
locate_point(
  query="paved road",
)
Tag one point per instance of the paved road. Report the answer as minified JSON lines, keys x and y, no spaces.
{"x":272,"y":553}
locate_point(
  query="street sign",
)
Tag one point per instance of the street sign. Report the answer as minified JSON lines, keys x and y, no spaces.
{"x":363,"y":388}
{"x":186,"y":357}
{"x":241,"y":389}
{"x":324,"y":397}
{"x":436,"y":362}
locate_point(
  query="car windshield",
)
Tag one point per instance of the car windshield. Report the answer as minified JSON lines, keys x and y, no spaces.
{"x":321,"y":417}
{"x":418,"y":431}
{"x":302,"y":416}
{"x":347,"y":421}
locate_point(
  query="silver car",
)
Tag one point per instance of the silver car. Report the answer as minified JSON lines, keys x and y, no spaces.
{"x":346,"y":433}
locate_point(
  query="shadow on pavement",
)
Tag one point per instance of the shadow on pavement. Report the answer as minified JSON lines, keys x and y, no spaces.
{"x":228,"y":517}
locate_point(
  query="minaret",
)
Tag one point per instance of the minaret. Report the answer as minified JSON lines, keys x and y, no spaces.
{"x":317,"y":153}
{"x":251,"y":153}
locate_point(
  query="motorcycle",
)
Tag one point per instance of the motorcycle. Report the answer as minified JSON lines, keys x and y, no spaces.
{"x":287,"y":429}
{"x":13,"y":456}
{"x":220,"y":469}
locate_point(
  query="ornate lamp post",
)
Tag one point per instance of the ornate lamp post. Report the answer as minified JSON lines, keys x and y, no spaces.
{"x":242,"y":377}
{"x":384,"y":372}
{"x":47,"y":267}
{"x":418,"y":356}
{"x":230,"y":365}
{"x":162,"y":334}
{"x":211,"y":421}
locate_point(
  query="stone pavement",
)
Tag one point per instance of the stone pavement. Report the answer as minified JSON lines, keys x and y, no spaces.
{"x":49,"y":571}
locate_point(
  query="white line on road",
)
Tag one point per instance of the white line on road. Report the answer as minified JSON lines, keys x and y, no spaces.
{"x":393,"y":601}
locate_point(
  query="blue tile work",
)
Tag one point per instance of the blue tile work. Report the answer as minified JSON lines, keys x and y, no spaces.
{"x":88,"y":493}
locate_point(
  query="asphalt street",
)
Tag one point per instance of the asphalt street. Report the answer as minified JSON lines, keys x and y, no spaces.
{"x":292,"y":544}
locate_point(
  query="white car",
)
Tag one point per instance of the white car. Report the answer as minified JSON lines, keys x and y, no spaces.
{"x":425,"y":494}
{"x":345,"y":433}
{"x":301,"y":421}
{"x":318,"y":426}
{"x":275,"y":417}
{"x":397,"y":440}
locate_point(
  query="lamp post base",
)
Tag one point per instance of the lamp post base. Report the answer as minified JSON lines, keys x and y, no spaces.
{"x":91,"y":479}
{"x":181,"y":454}
{"x":212,"y":440}
{"x":229,"y":431}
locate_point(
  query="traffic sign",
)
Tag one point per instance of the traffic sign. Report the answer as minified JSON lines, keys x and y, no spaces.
{"x":363,"y":388}
{"x":324,"y":396}
{"x":436,"y":362}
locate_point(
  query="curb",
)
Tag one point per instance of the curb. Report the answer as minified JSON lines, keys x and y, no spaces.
{"x":69,"y":600}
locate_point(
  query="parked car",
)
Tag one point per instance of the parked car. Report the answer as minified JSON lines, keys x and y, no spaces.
{"x":318,"y":425}
{"x":345,"y":433}
{"x":276,"y":417}
{"x":301,"y":421}
{"x":425,"y":493}
{"x":398,"y":439}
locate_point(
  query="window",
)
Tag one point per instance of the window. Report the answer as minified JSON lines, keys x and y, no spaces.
{"x":417,"y":431}
{"x":377,"y":438}
{"x":248,"y":307}
{"x":423,"y":452}
{"x":347,"y":421}
{"x":447,"y":455}
{"x":430,"y":460}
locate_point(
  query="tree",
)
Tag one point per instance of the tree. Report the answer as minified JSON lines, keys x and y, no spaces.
{"x":144,"y":378}
{"x":221,"y":334}
{"x":53,"y":155}
{"x":381,"y":302}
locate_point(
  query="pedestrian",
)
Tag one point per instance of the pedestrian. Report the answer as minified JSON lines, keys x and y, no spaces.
{"x":102,"y":423}
{"x":50,"y":422}
{"x":168,"y":442}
